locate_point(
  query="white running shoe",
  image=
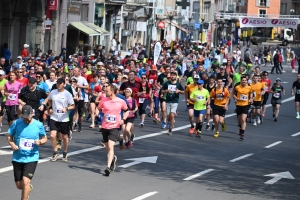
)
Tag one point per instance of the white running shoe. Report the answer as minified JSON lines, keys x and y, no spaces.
{"x":254,"y":124}
{"x":258,"y":121}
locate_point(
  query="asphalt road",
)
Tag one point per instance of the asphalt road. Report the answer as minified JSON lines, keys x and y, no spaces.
{"x":187,"y":167}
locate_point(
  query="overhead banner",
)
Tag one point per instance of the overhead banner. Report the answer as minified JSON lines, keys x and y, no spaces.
{"x":266,"y":22}
{"x":157,"y":50}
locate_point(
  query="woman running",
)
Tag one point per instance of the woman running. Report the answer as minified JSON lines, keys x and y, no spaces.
{"x":95,"y":88}
{"x":144,"y":98}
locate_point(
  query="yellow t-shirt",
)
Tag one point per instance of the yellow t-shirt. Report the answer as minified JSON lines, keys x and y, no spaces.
{"x":189,"y":89}
{"x":219,"y":96}
{"x":256,"y":90}
{"x":243,"y":94}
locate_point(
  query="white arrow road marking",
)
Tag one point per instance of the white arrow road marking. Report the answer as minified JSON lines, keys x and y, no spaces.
{"x":144,"y":196}
{"x":136,"y":161}
{"x":198,"y":174}
{"x":278,"y":176}
{"x":272,"y":145}
{"x":242,"y":157}
{"x":296,"y":134}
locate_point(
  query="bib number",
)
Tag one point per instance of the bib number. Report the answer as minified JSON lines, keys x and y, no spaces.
{"x":26,"y":144}
{"x":12,"y":97}
{"x":151,"y":81}
{"x":59,"y":111}
{"x":298,"y":91}
{"x":243,"y":97}
{"x":141,"y":100}
{"x":110,"y":118}
{"x":276,"y":95}
{"x":199,"y":97}
{"x":172,"y":88}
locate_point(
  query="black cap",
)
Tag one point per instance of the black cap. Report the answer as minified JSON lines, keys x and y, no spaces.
{"x":26,"y":111}
{"x":32,"y":80}
{"x":60,"y":80}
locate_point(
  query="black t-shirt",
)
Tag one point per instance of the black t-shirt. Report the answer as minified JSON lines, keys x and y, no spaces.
{"x":224,"y":79}
{"x":188,"y":73}
{"x":172,"y":97}
{"x":277,"y":92}
{"x":161,"y":78}
{"x":32,"y":98}
{"x":297,"y":85}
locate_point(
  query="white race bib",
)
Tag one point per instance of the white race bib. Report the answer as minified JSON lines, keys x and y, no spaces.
{"x":59,"y":111}
{"x":172,"y":88}
{"x":151,"y":81}
{"x":244,"y":97}
{"x":254,"y":94}
{"x":199,"y":97}
{"x":26,"y":144}
{"x":141,"y":100}
{"x":110,"y":118}
{"x":276,"y":95}
{"x":12,"y":97}
{"x":298,"y":92}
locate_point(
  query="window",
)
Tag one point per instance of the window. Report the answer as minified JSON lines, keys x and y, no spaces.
{"x":262,"y":13}
{"x":263,"y":3}
{"x":283,"y":9}
{"x":84,"y":14}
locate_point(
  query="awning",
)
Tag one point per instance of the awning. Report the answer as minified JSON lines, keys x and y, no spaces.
{"x":89,"y":28}
{"x":97,"y":28}
{"x":177,"y":25}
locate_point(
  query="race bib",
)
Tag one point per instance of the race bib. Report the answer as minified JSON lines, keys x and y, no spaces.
{"x":298,"y":92}
{"x":151,"y":81}
{"x":59,"y":111}
{"x":141,"y":100}
{"x":172,"y":88}
{"x":26,"y":144}
{"x":267,"y":88}
{"x":110,"y":118}
{"x":199,"y":97}
{"x":219,"y":96}
{"x":276,"y":95}
{"x":33,"y":112}
{"x":12,"y":97}
{"x":243,"y":97}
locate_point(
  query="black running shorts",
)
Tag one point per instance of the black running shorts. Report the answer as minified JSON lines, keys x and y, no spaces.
{"x":23,"y":169}
{"x":110,"y":134}
{"x":257,"y":104}
{"x":242,"y":110}
{"x":62,"y":127}
{"x":297,"y":98}
{"x":219,"y":110}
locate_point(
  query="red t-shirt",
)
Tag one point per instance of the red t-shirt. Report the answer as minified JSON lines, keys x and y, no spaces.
{"x":23,"y":81}
{"x":268,"y":84}
{"x":90,"y":78}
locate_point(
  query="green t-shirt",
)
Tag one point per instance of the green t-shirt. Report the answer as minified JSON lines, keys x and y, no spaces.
{"x":88,"y":72}
{"x":2,"y":83}
{"x":201,"y":97}
{"x":236,"y":78}
{"x":172,"y":97}
{"x":189,"y":80}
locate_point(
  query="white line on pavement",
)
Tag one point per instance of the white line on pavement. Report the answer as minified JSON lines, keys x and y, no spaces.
{"x":242,"y":157}
{"x":198,"y":174}
{"x":144,"y":196}
{"x":296,"y":134}
{"x":272,"y":145}
{"x":5,"y":169}
{"x":3,"y":133}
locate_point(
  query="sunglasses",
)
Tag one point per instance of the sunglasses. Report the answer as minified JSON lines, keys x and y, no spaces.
{"x":105,"y":86}
{"x":144,"y":78}
{"x":38,"y":76}
{"x":20,"y":72}
{"x":29,"y":62}
{"x":73,"y":82}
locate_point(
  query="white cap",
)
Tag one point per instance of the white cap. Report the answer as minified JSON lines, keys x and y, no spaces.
{"x":129,"y":90}
{"x":100,"y":63}
{"x":2,"y":72}
{"x":224,"y":60}
{"x":121,"y":67}
{"x":26,"y":45}
{"x":196,"y":76}
{"x":19,"y":57}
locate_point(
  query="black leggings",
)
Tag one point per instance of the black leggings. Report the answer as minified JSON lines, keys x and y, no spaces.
{"x":11,"y":112}
{"x":265,"y":97}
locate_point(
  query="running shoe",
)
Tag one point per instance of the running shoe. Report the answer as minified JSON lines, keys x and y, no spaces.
{"x":275,"y":120}
{"x":121,"y":145}
{"x":216,"y":135}
{"x":273,"y":115}
{"x":113,"y":164}
{"x":254,"y":124}
{"x":58,"y":144}
{"x":102,"y":143}
{"x":213,"y":127}
{"x":168,"y":125}
{"x":198,"y":133}
{"x":155,"y":120}
{"x":241,"y":137}
{"x":223,"y":126}
{"x":163,"y":125}
{"x":54,"y":157}
{"x":71,"y":135}
{"x":31,"y":188}
{"x":149,"y":114}
{"x":132,"y":137}
{"x":298,"y":117}
{"x":258,"y":120}
{"x":92,"y":126}
{"x":107,"y":171}
{"x":65,"y":157}
{"x":128,"y":145}
{"x":79,"y":129}
{"x":142,"y":124}
{"x":192,"y":130}
{"x":170,"y":132}
{"x":263,"y":114}
{"x":207,"y":127}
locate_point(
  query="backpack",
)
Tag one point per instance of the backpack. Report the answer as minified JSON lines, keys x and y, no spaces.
{"x":223,"y":92}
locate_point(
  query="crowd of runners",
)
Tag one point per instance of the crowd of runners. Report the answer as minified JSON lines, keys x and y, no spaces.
{"x":57,"y":93}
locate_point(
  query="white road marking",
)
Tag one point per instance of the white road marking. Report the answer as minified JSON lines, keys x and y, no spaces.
{"x":278,"y":176}
{"x":144,"y":196}
{"x":296,"y":134}
{"x":6,"y":152}
{"x":272,"y":145}
{"x":137,"y":138}
{"x":198,"y":174}
{"x":6,"y":147}
{"x":136,"y":161}
{"x":2,"y":133}
{"x":241,"y":157}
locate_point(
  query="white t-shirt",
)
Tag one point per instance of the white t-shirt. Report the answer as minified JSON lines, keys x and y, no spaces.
{"x":60,"y":100}
{"x":50,"y":83}
{"x":82,"y":81}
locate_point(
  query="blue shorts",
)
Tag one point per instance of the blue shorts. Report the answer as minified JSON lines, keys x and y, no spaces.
{"x":199,"y":112}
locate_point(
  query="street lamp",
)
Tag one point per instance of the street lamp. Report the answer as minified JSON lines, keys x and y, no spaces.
{"x":292,"y":11}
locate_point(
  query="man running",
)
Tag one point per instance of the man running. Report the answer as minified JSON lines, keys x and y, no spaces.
{"x":242,"y":96}
{"x":220,"y":96}
{"x":265,"y":79}
{"x":111,"y":123}
{"x":277,"y":90}
{"x":172,"y":89}
{"x":258,"y":90}
{"x":297,"y":95}
{"x":25,"y":135}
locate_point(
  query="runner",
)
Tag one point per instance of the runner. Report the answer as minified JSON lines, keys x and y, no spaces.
{"x":258,"y":90}
{"x":111,"y":123}
{"x":60,"y":102}
{"x":144,"y":98}
{"x":12,"y":89}
{"x":25,"y":135}
{"x":172,"y":89}
{"x":190,"y":104}
{"x":200,"y":98}
{"x":265,"y":79}
{"x":209,"y":108}
{"x":220,"y":97}
{"x":2,"y":108}
{"x":297,"y":96}
{"x":243,"y":96}
{"x":277,"y":90}
{"x":95,"y":88}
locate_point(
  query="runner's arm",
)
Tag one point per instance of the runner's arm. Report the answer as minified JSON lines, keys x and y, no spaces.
{"x":10,"y":140}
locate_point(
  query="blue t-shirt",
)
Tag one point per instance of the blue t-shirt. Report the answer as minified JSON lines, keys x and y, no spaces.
{"x":42,"y":85}
{"x":24,"y":136}
{"x":141,"y":72}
